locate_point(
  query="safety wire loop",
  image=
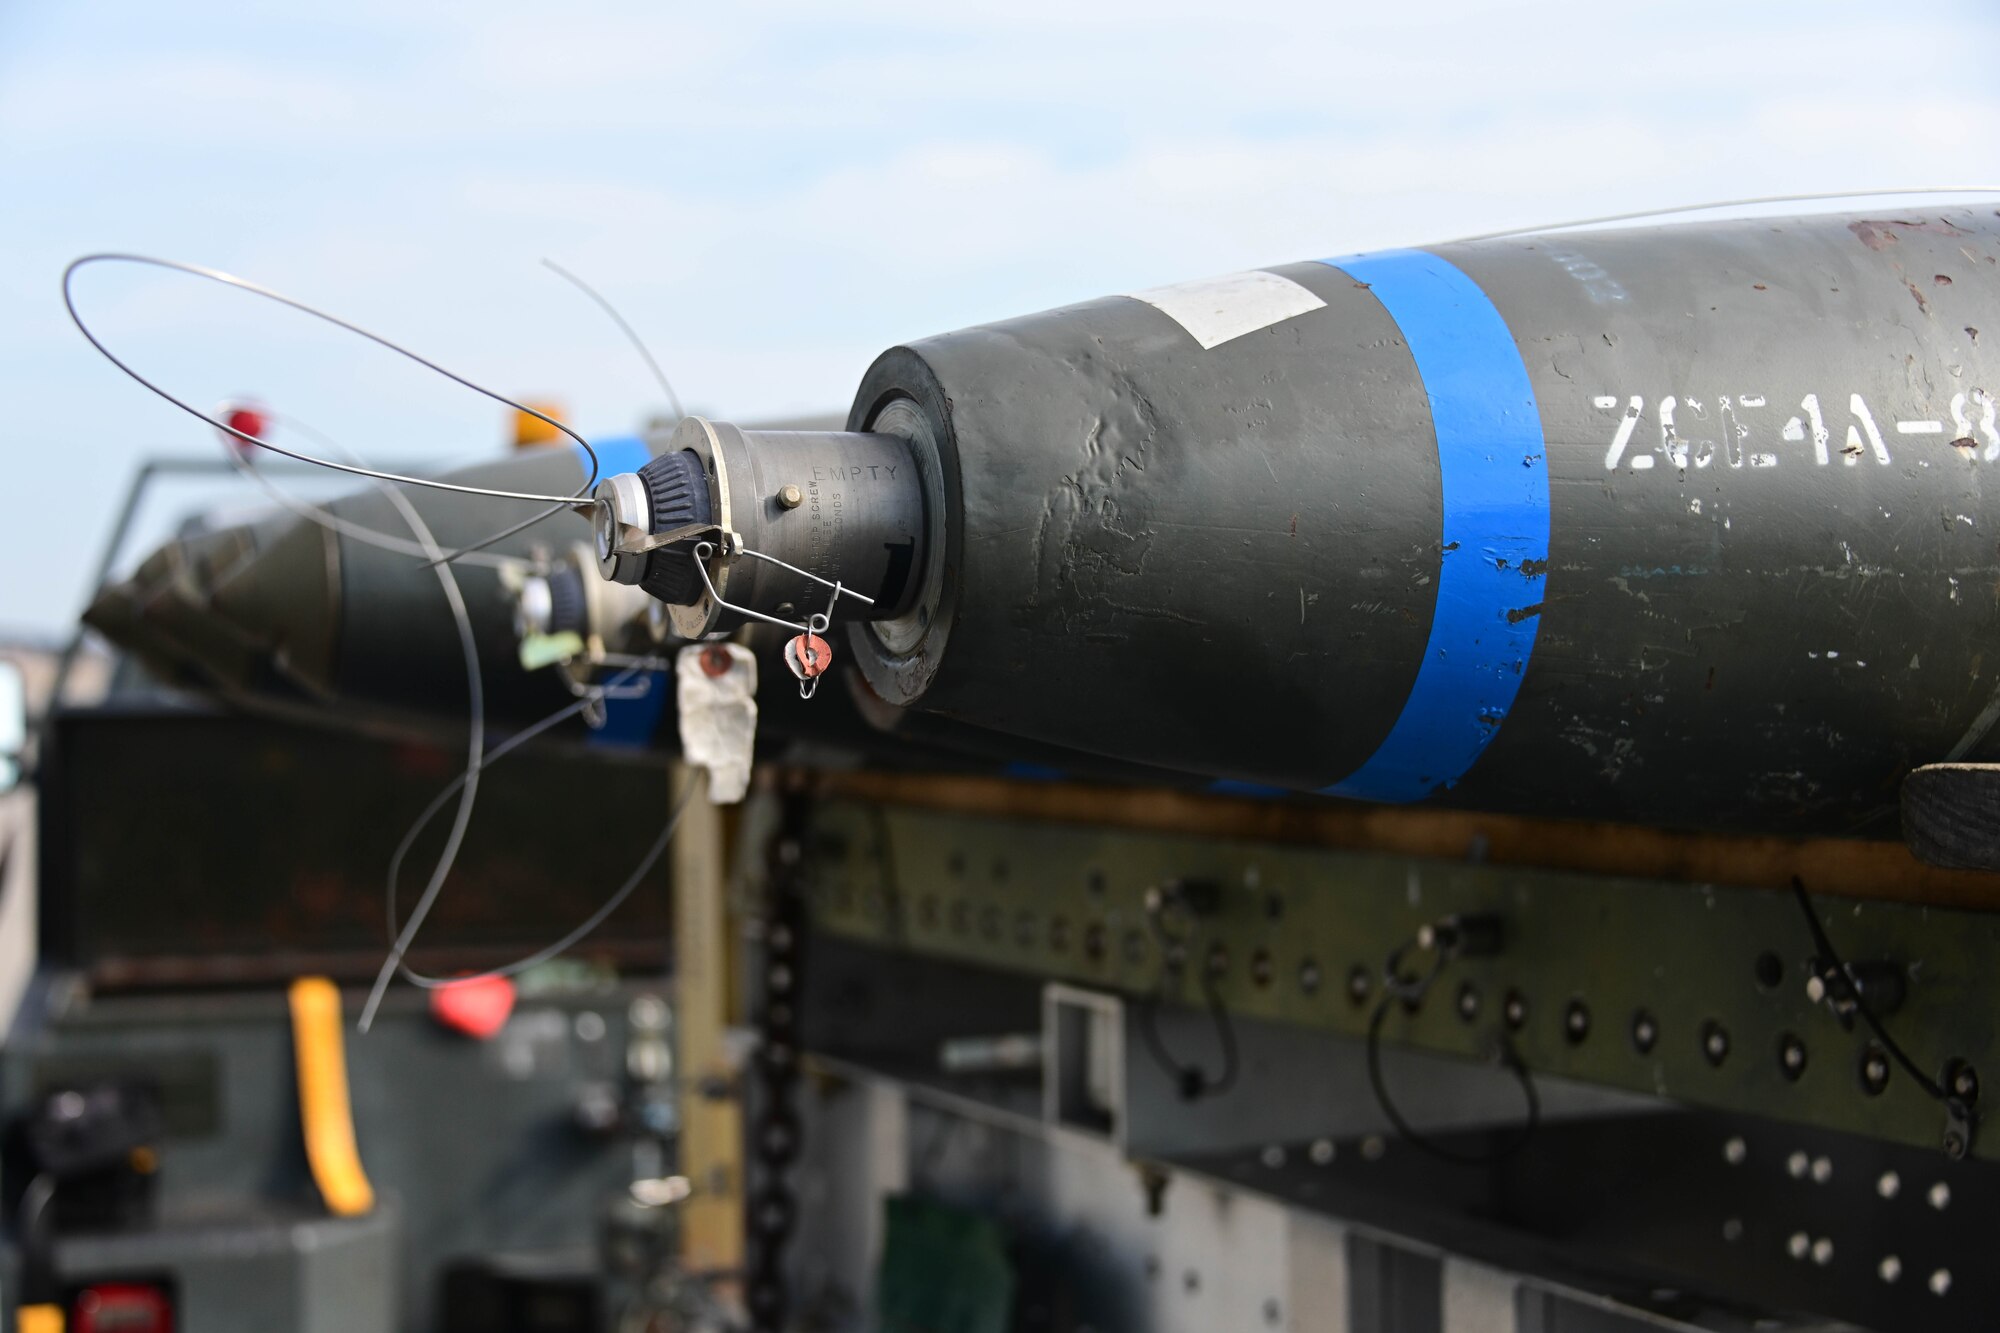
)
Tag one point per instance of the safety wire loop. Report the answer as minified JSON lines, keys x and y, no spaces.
{"x":557,"y":503}
{"x":403,"y":934}
{"x":814,"y":625}
{"x":1754,"y":201}
{"x":1444,"y":942}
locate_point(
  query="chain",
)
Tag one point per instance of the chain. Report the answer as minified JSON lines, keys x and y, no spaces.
{"x":775,"y":1129}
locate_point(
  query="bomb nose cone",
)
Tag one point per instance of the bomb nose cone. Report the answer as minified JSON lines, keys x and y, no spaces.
{"x":190,"y":612}
{"x":287,"y":610}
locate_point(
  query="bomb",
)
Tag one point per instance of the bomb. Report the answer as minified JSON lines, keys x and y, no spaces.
{"x":289,"y":614}
{"x":1682,"y":525}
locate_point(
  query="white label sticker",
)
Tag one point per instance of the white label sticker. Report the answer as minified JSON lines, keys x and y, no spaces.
{"x":1214,"y":310}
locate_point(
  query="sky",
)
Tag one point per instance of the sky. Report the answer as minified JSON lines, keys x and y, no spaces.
{"x":774,"y":193}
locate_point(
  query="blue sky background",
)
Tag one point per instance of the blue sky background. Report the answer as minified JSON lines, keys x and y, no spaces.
{"x":773,"y":193}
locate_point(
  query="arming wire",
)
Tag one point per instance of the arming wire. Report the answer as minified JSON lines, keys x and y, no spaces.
{"x":478,"y":757}
{"x":631,"y":334}
{"x":698,"y":777}
{"x":466,"y":786}
{"x":556,"y":503}
{"x":404,"y":934}
{"x":347,"y":527}
{"x":475,"y":690}
{"x":1756,"y":201}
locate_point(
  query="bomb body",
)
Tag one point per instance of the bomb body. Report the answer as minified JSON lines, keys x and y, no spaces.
{"x":1679,"y":525}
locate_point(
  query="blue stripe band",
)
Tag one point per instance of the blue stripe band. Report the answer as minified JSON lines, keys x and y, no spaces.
{"x":628,"y":722}
{"x":1495,"y":479}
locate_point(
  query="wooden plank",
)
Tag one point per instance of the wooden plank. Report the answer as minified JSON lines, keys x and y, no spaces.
{"x":1844,"y":867}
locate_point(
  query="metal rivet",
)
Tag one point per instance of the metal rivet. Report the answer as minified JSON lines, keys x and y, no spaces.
{"x":1791,"y":1056}
{"x":1799,"y":1245}
{"x":1874,"y":1069}
{"x":790,"y":497}
{"x":1890,"y":1269}
{"x":1468,"y":1002}
{"x":1940,"y":1196}
{"x":1822,"y":1251}
{"x":1515,"y":1009}
{"x":1732,"y":1230}
{"x":1714,"y":1042}
{"x":1273,"y":1156}
{"x":1735,"y":1151}
{"x":1822,"y":1170}
{"x":1797,"y":1165}
{"x":1940,"y":1282}
{"x":1576,"y":1021}
{"x":1645,"y":1032}
{"x":1309,"y":977}
{"x":1321,"y":1151}
{"x":1889,"y":1185}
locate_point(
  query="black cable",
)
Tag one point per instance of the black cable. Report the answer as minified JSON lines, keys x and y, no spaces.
{"x":1832,"y":963}
{"x":1396,"y":989}
{"x":1192,"y":1080}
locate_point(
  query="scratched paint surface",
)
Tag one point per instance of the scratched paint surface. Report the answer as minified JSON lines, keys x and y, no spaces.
{"x":1771,"y":571}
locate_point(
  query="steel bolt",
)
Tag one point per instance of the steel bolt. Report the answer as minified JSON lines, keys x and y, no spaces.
{"x":1874,"y":1070}
{"x":1714,"y":1042}
{"x":790,"y":497}
{"x":1576,"y":1021}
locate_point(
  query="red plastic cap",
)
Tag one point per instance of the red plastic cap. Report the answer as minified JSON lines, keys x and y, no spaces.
{"x":246,"y":416}
{"x":477,"y":1006}
{"x":248,"y":420}
{"x":123,"y":1307}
